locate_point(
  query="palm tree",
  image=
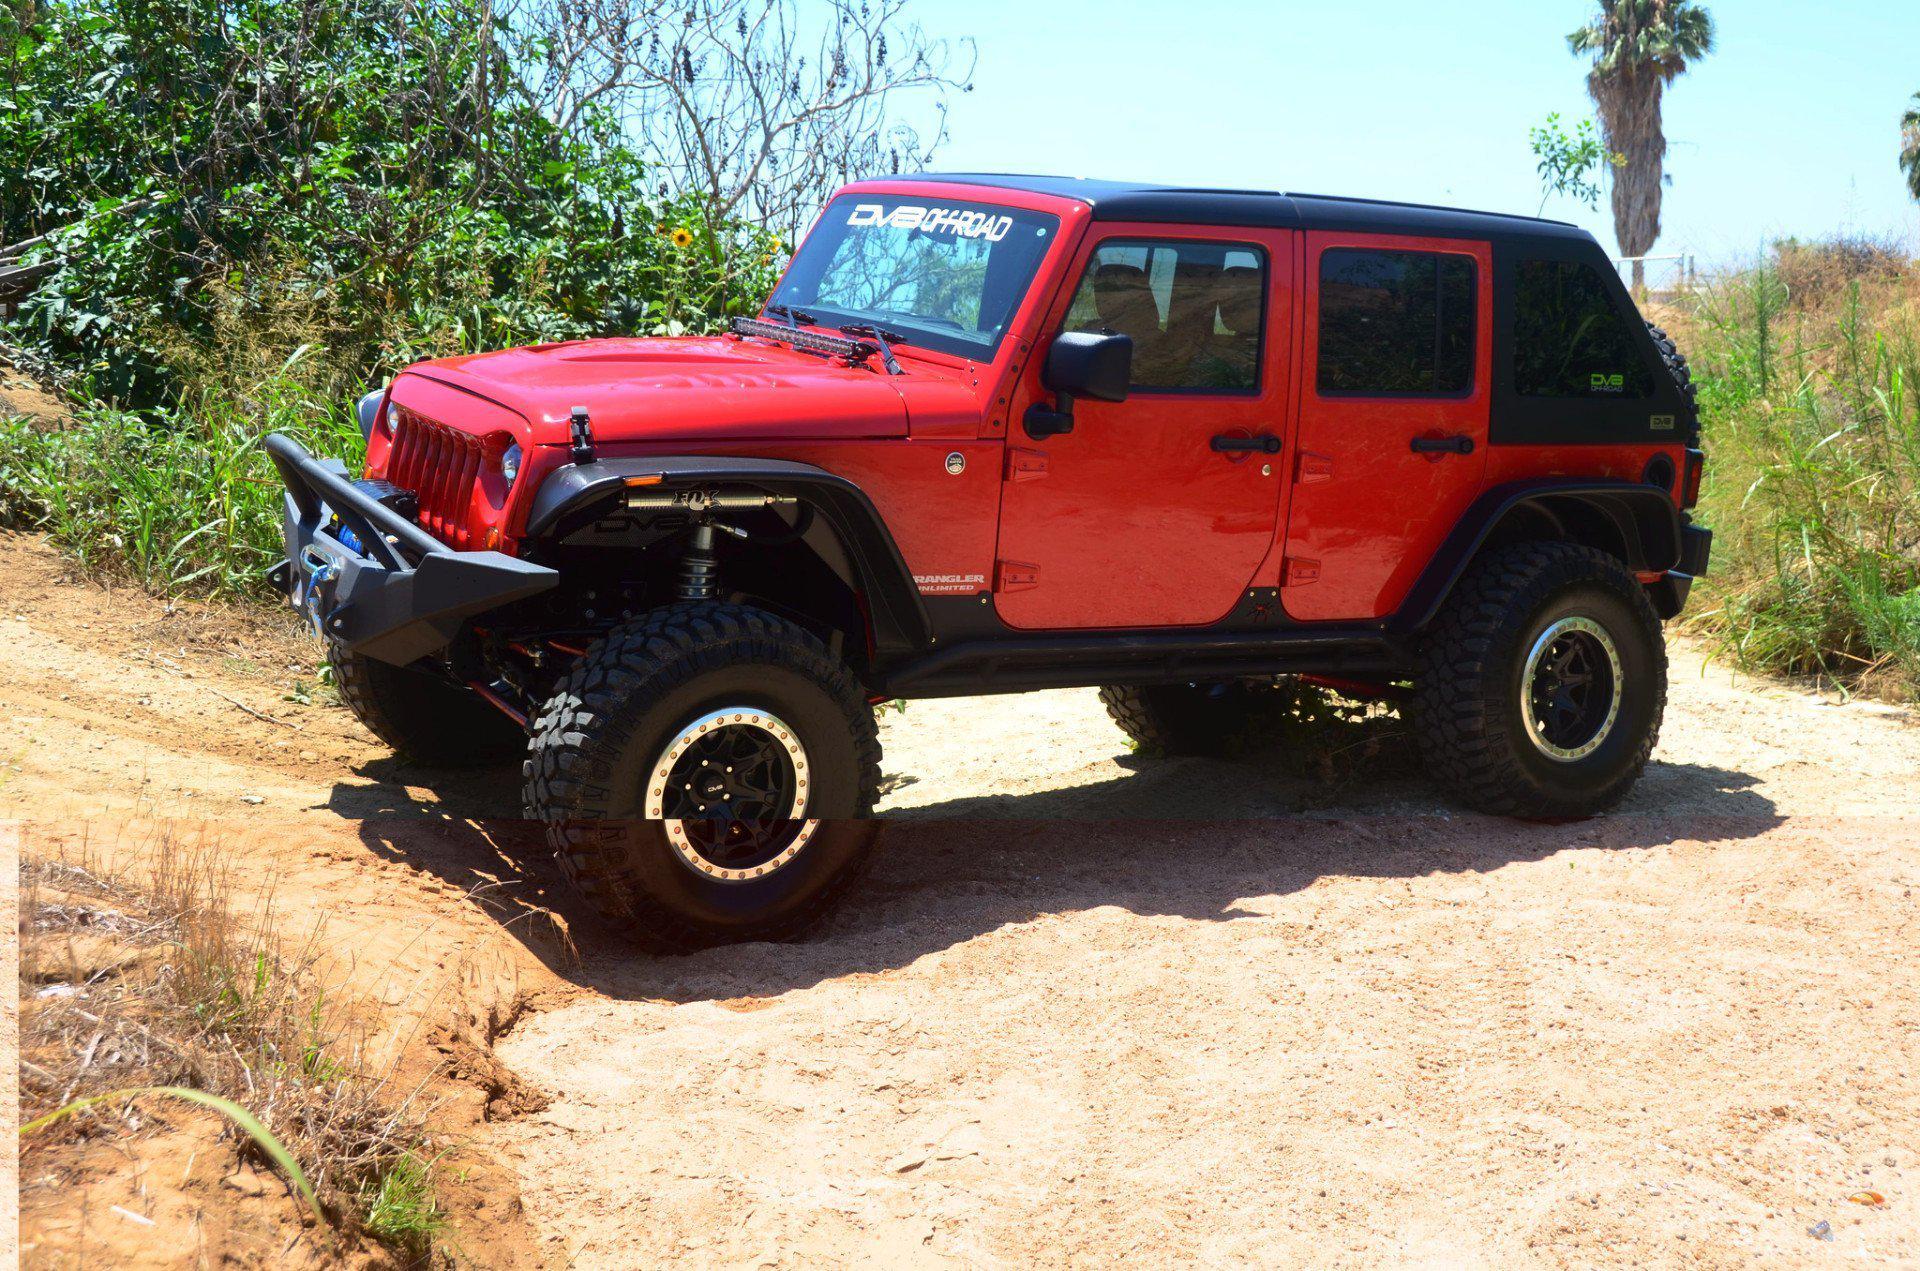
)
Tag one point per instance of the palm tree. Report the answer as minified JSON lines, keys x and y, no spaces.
{"x":1638,"y":48}
{"x":1910,"y":146}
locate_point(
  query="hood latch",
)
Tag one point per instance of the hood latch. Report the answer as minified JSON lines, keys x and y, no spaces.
{"x":581,"y":430}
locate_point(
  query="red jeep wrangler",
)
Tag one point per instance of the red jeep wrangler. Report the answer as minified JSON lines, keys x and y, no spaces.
{"x":997,"y":433}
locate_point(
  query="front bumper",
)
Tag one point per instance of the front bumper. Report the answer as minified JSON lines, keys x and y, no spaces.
{"x":388,"y":589}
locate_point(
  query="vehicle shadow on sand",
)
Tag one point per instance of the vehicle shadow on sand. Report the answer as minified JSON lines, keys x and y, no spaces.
{"x":948,"y":872}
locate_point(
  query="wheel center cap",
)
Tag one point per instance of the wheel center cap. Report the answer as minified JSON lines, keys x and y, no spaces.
{"x":712,"y":785}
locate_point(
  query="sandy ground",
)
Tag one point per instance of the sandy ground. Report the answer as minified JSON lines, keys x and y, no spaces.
{"x":1092,"y":1007}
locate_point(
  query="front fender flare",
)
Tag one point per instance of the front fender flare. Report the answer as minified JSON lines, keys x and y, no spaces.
{"x":1642,"y":520}
{"x":570,"y":494}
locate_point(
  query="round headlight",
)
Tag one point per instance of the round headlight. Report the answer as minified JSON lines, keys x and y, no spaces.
{"x":510,"y":461}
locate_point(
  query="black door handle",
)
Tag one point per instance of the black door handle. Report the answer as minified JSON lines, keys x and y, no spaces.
{"x":1462,"y":445}
{"x":1264,"y":442}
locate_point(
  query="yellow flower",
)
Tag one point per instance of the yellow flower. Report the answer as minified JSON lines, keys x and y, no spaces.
{"x":681,"y":236}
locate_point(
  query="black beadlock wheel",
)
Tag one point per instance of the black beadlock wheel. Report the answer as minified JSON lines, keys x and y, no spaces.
{"x":1540,"y":688}
{"x":704,"y":774}
{"x":425,"y":718}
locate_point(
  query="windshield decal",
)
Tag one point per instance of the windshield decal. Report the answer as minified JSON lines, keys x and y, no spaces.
{"x":959,"y":222}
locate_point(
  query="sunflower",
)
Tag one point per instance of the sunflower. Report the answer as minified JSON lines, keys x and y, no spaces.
{"x":681,"y":236}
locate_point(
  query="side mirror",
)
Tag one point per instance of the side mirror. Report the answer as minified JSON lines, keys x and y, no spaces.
{"x":1080,"y":364}
{"x":1090,"y":364}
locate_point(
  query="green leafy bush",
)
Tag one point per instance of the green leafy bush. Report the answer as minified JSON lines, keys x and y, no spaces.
{"x":1810,"y":391}
{"x":261,"y":207}
{"x":231,"y":180}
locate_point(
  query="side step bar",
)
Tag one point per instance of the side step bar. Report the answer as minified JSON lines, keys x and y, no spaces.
{"x":1081,"y":661}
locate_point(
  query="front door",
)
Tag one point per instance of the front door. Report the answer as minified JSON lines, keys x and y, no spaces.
{"x":1136,"y":518}
{"x":1393,"y":416}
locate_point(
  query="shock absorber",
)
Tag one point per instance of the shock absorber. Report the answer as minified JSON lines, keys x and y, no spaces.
{"x":700,"y":567}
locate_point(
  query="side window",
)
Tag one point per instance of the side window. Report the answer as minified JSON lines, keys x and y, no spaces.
{"x":1568,"y":338}
{"x":1194,"y":311}
{"x":1396,"y":323}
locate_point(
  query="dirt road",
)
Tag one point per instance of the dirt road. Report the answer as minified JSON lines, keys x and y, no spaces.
{"x":1244,"y":1016}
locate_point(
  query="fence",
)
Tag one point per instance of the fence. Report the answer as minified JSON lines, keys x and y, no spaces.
{"x":1666,"y":277}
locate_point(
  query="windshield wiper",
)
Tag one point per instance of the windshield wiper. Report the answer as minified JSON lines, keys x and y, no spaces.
{"x":793,"y":316}
{"x":881,"y":338}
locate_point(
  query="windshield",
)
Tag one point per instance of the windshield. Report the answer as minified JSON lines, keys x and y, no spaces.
{"x":943,"y":275}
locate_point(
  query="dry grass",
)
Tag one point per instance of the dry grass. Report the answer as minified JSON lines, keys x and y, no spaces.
{"x":156,"y":980}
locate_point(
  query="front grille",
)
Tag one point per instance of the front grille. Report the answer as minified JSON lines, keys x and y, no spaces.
{"x":439,"y":464}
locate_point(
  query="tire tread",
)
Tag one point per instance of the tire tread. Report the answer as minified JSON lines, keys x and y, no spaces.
{"x":1458,"y":699}
{"x":594,"y":712}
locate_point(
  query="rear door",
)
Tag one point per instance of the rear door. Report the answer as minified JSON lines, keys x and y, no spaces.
{"x":1393,"y":416}
{"x":1135,"y":519}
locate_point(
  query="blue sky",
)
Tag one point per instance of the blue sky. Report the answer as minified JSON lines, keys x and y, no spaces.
{"x":1790,"y":127}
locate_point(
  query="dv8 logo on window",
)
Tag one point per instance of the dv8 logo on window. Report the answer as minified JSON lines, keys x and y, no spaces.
{"x":933,"y":220}
{"x":1600,"y":383}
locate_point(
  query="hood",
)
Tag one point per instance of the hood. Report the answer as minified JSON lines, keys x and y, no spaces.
{"x":640,"y":390}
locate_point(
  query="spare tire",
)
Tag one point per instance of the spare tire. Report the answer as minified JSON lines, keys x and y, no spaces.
{"x":1676,"y":363}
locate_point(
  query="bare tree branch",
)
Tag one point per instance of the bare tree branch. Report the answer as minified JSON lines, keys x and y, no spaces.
{"x":745,"y":103}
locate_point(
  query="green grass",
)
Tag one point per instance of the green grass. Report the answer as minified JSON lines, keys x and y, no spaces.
{"x":399,"y":1207}
{"x":1810,"y":398}
{"x":182,"y":500}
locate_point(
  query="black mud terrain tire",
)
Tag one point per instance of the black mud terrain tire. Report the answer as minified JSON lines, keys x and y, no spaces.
{"x":604,"y":748}
{"x":1501,"y":712}
{"x":1177,"y":719}
{"x":1676,"y":363}
{"x":426,"y":718}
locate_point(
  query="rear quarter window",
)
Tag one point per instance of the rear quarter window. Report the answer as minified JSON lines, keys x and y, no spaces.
{"x":1395,"y":323}
{"x":1570,"y":339}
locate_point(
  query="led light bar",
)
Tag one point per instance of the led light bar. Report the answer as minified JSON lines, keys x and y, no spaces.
{"x":833,"y":345}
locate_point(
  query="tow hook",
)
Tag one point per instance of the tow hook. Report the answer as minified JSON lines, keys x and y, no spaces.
{"x":323,"y":573}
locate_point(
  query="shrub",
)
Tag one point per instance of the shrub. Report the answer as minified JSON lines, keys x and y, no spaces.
{"x":365,"y":177}
{"x":1812,"y":427}
{"x":259,"y":209}
{"x":181,"y":499}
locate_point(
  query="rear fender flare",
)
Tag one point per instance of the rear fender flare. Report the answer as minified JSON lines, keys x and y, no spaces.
{"x":1638,"y":523}
{"x":571,"y":494}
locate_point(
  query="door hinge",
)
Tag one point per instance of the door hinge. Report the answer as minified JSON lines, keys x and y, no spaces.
{"x":1300,"y":571}
{"x":1313,"y":468}
{"x":1025,"y":465}
{"x":1011,"y":575}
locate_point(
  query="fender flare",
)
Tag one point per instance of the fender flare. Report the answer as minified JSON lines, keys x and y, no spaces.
{"x":1641,"y":519}
{"x":892,"y":601}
